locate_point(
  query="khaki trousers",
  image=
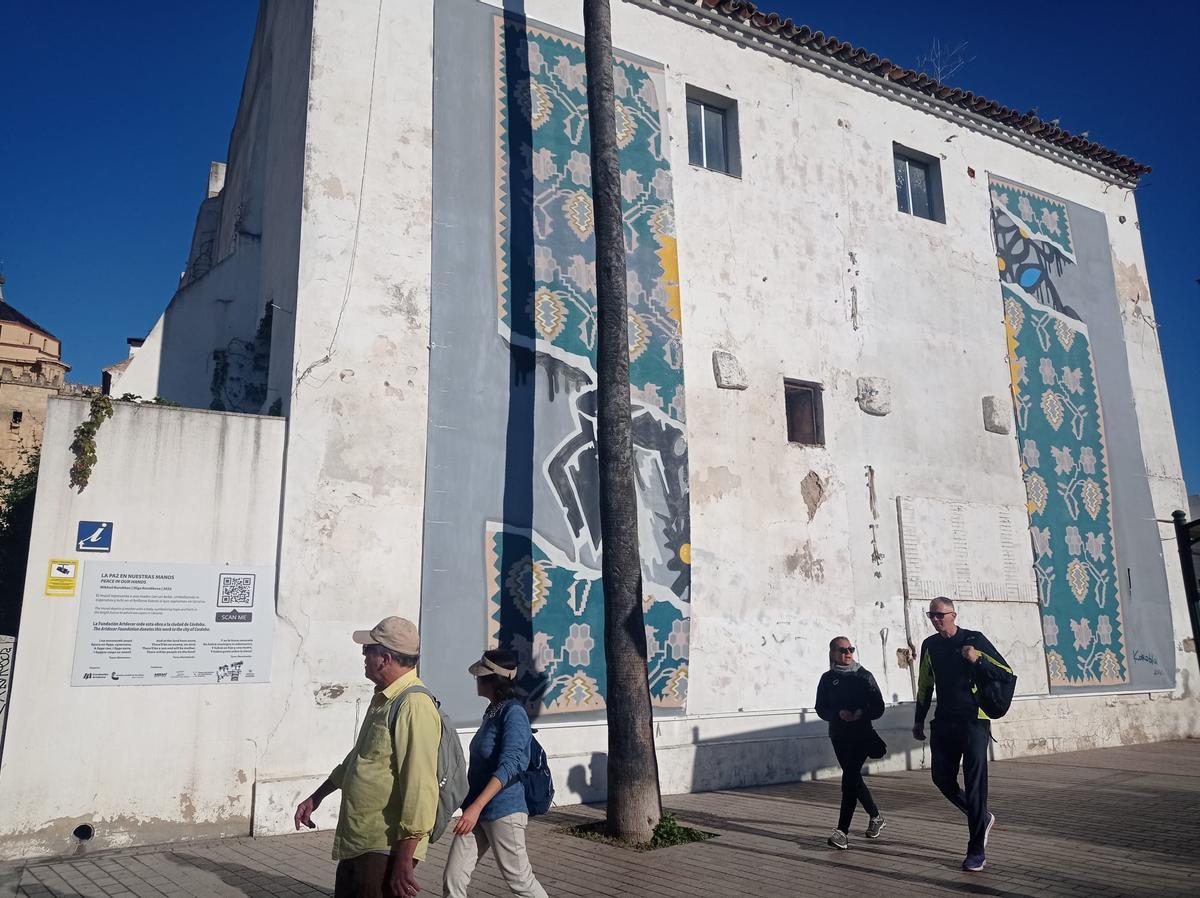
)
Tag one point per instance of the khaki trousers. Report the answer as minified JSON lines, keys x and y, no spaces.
{"x":506,"y":838}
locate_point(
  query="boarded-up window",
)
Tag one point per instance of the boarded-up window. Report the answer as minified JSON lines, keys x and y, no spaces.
{"x":805,"y":423}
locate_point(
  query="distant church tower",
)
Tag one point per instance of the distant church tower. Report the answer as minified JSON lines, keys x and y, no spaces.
{"x":31,"y":371}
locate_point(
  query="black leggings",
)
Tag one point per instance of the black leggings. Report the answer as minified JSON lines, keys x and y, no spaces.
{"x":852,"y":754}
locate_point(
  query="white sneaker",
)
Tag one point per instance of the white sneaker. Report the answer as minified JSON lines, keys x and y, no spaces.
{"x":875,"y":826}
{"x":838,"y":840}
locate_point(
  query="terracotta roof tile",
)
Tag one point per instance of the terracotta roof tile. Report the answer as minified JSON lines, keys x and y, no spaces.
{"x":748,"y":14}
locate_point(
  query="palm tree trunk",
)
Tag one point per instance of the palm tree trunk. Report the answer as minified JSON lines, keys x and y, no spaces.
{"x":634,"y":804}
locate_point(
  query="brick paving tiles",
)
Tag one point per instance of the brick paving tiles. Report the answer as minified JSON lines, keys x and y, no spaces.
{"x":1109,"y":822}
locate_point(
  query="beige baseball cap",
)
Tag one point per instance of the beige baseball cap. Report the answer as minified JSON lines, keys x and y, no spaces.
{"x":396,"y":633}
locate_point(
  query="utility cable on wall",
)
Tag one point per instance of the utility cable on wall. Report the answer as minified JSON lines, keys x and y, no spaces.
{"x":328,"y":356}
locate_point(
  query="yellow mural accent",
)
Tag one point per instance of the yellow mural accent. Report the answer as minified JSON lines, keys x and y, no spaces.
{"x":668,"y":257}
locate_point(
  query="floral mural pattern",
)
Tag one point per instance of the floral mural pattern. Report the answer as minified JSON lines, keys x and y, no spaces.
{"x":545,"y":599}
{"x":1061,"y":436}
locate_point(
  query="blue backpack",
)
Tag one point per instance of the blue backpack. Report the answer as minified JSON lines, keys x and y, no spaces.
{"x":536,"y":779}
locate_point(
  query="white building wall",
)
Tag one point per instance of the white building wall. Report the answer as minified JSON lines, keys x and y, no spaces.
{"x":142,"y":764}
{"x":245,"y":251}
{"x":802,"y":267}
{"x":355,"y":463}
{"x":176,"y":361}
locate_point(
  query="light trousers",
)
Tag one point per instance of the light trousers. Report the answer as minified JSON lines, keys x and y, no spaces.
{"x":506,"y":838}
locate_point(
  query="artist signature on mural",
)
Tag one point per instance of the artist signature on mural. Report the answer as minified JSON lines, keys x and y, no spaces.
{"x":1149,"y":659}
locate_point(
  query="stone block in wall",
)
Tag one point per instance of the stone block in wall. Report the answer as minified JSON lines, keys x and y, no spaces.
{"x":875,"y":395}
{"x":997,"y":414}
{"x":728,"y":371}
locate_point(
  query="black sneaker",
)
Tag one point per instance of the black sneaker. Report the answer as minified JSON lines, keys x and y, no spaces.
{"x":838,"y":840}
{"x":973,"y":863}
{"x":875,"y":826}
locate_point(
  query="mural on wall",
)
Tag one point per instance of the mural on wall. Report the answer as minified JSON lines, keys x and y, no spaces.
{"x":239,"y":378}
{"x":1061,"y":438}
{"x":545,"y":600}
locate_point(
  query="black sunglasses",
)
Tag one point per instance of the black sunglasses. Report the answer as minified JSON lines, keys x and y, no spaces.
{"x":845,"y":650}
{"x":937,"y":615}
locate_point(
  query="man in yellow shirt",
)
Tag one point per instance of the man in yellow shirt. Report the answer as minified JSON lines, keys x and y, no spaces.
{"x":389,"y":779}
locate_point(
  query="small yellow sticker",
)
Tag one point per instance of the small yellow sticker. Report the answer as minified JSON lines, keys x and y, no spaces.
{"x":61,"y":577}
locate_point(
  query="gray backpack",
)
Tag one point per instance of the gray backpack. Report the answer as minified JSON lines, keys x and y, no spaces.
{"x":451,"y":765}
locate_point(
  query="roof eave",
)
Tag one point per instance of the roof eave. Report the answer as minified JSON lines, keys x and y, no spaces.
{"x":741,"y":20}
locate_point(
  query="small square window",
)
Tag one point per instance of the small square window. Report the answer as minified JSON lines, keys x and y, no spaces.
{"x":712,"y":131}
{"x":805,"y":415}
{"x":918,"y":184}
{"x":17,"y":418}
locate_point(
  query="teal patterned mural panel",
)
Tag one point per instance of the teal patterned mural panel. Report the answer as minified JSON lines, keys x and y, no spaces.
{"x":1060,"y":431}
{"x":1066,"y":480}
{"x":545,"y":599}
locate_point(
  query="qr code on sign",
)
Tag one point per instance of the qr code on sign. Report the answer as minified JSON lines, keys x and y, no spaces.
{"x":236,"y":591}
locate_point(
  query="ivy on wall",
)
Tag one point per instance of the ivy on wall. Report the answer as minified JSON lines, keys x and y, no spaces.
{"x":83,"y":446}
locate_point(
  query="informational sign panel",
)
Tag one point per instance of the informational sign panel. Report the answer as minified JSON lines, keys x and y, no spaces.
{"x":62,"y":577}
{"x":155,"y":624}
{"x":7,"y":644}
{"x":965,"y":550}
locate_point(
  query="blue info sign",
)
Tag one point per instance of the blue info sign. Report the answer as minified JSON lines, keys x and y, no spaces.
{"x":94,"y":536}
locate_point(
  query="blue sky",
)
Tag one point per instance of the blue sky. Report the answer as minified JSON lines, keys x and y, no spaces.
{"x":112,"y":112}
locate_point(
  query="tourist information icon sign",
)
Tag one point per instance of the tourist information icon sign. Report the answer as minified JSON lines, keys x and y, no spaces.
{"x":94,"y":536}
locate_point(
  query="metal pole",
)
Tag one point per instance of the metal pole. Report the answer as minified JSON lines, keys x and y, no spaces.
{"x":1183,"y":537}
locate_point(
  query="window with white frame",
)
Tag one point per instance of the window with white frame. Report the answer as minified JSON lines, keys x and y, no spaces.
{"x":712,"y":131}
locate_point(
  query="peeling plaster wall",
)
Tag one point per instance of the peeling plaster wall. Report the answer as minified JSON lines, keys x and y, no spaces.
{"x":356,"y":393}
{"x":850,"y":288}
{"x":246,"y":245}
{"x":142,"y":764}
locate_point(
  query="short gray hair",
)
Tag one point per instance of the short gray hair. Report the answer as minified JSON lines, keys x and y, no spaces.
{"x":944,"y":601}
{"x":399,"y":657}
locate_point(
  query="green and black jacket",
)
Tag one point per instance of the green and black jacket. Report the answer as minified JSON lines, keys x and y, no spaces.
{"x":943,"y":667}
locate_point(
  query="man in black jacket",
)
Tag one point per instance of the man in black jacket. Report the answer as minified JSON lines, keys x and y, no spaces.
{"x":953,"y":660}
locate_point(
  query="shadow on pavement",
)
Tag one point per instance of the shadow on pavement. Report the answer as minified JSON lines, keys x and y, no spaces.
{"x":252,"y":882}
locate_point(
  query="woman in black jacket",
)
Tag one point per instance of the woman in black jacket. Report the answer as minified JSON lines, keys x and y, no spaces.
{"x":849,"y":699}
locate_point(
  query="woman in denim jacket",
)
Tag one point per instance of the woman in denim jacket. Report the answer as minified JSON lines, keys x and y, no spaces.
{"x":494,"y":811}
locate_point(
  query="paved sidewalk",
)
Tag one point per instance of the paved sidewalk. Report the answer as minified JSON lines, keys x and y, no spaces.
{"x":1120,"y":821}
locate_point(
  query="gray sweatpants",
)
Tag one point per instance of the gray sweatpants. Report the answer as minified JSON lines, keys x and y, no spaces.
{"x":506,"y":837}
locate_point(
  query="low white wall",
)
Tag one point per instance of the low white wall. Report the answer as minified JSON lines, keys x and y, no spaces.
{"x":140,"y":763}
